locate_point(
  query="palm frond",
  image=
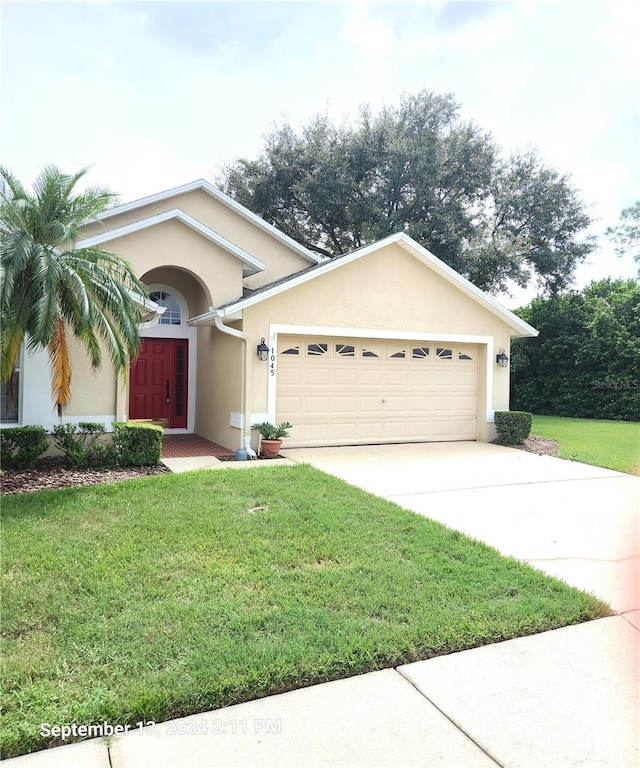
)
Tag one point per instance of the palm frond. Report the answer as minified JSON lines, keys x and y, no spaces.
{"x":50,"y":289}
{"x":60,"y":363}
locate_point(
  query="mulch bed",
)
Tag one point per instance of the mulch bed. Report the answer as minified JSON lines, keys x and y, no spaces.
{"x":51,"y":473}
{"x":540,"y":445}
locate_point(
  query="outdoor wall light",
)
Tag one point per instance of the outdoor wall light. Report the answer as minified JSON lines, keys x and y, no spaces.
{"x":263,"y":351}
{"x":502,"y":359}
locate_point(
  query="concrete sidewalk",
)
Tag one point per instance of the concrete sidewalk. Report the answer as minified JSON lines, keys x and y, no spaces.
{"x":564,"y":698}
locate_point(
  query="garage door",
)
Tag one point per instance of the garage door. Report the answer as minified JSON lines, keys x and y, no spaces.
{"x":347,"y":391}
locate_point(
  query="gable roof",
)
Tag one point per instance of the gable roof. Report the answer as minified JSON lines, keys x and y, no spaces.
{"x":519,"y":326}
{"x":205,"y":186}
{"x":251,"y":265}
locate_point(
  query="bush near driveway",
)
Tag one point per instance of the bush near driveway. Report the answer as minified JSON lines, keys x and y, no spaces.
{"x":178,"y":594}
{"x":513,"y":427}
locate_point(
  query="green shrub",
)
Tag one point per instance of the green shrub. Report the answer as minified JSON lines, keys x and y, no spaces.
{"x":21,"y":447}
{"x":513,"y":427}
{"x":82,"y":446}
{"x":137,"y":445}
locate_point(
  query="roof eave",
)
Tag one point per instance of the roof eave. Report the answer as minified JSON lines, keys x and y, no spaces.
{"x":518,"y":326}
{"x":217,"y":194}
{"x":252,"y":265}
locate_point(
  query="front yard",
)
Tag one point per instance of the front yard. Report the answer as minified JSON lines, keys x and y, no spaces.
{"x":610,"y":444}
{"x":155,"y":598}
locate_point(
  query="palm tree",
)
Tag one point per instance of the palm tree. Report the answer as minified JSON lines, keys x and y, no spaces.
{"x":49,"y":288}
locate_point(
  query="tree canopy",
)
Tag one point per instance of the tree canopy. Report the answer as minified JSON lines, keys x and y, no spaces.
{"x":585,"y":361}
{"x":419,"y":168}
{"x":626,"y":234}
{"x":49,"y":288}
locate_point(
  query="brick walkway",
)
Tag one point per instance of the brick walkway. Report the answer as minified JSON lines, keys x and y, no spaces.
{"x":184,"y":446}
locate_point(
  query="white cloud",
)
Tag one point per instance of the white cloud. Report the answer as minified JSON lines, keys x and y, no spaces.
{"x":151,"y":110}
{"x":482,"y":34}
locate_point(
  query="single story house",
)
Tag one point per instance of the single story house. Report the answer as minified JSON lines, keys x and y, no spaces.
{"x":384,"y":344}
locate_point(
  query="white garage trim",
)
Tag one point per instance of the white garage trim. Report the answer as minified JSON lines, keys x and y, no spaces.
{"x":276,"y":329}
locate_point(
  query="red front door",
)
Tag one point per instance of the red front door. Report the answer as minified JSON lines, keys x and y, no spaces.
{"x":158,"y":381}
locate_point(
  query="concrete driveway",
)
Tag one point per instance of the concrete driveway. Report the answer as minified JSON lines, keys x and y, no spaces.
{"x":571,"y":520}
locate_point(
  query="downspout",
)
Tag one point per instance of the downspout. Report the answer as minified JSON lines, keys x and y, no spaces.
{"x":245,"y":429}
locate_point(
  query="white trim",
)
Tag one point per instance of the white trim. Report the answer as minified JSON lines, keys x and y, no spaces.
{"x":276,"y":329}
{"x":516,"y":324}
{"x":490,"y":362}
{"x":376,"y":333}
{"x":182,"y":331}
{"x":205,"y":186}
{"x":36,"y":404}
{"x":154,"y":311}
{"x":253,"y":265}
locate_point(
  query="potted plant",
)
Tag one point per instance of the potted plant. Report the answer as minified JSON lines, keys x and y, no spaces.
{"x":271,"y":437}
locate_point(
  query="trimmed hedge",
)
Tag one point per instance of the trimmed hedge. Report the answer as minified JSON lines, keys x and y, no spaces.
{"x":513,"y":427}
{"x":137,"y":445}
{"x":82,"y":446}
{"x":21,"y":447}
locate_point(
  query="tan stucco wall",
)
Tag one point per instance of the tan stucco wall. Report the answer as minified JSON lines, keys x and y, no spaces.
{"x":174,"y":244}
{"x":280,"y":259}
{"x":218,"y":387}
{"x":386,"y":290}
{"x":92,"y":393}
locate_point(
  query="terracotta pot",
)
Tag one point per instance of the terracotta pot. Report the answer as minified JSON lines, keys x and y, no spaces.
{"x":270,"y":448}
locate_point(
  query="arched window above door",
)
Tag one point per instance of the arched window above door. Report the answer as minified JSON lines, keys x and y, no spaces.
{"x":172,"y":316}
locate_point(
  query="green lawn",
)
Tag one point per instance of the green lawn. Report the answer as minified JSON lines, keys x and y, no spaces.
{"x":611,"y":444}
{"x":176,"y":594}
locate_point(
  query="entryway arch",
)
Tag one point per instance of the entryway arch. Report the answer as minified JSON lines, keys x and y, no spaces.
{"x":162,"y":381}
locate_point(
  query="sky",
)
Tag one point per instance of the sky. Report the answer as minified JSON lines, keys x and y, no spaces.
{"x":152,"y":95}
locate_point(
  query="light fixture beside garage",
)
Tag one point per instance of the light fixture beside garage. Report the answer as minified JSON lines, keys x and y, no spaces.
{"x":502,"y":359}
{"x":263,"y":351}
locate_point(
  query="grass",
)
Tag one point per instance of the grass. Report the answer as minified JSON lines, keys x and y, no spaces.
{"x":610,"y":444}
{"x":155,"y":598}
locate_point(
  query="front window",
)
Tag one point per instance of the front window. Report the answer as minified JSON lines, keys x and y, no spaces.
{"x":9,"y":399}
{"x":172,"y":315}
